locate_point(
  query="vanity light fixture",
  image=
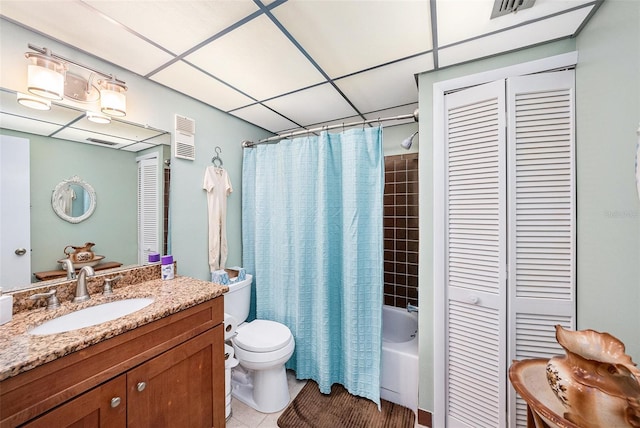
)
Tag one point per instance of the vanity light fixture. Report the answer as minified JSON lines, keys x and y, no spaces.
{"x":48,"y":78}
{"x":94,"y":117}
{"x":45,"y":75}
{"x":112,"y":99}
{"x":33,"y":102}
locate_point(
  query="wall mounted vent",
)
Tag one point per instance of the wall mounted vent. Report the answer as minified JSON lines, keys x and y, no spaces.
{"x":184,"y":146}
{"x":504,"y":7}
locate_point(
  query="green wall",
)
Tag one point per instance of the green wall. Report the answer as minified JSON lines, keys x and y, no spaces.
{"x":608,"y":115}
{"x":608,"y":232}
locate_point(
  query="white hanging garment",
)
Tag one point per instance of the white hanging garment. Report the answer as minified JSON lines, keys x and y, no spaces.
{"x":218,"y":187}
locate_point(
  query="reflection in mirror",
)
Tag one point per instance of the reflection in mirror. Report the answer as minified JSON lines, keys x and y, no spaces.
{"x":74,"y":200}
{"x":71,"y":123}
{"x":64,"y":133}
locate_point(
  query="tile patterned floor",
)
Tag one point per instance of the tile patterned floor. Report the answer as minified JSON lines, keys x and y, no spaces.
{"x":243,"y":416}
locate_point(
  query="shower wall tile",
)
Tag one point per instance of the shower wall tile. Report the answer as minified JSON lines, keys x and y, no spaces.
{"x":401,"y":233}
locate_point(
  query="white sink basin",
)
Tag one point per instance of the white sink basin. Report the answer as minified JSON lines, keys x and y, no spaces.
{"x":91,"y":316}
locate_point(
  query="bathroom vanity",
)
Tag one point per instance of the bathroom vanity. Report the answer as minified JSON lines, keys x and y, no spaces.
{"x":160,"y":366}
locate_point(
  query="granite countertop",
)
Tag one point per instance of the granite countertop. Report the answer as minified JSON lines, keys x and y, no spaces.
{"x":21,"y":351}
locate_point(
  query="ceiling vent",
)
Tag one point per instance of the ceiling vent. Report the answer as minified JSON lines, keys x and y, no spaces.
{"x":504,"y":7}
{"x":103,"y":142}
{"x":184,"y":146}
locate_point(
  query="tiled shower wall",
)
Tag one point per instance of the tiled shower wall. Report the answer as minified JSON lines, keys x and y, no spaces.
{"x":401,"y":230}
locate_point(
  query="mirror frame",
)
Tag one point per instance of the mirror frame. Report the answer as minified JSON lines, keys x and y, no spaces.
{"x":87,"y":187}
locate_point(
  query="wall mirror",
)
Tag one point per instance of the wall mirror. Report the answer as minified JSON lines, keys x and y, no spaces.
{"x":73,"y":200}
{"x":66,"y":134}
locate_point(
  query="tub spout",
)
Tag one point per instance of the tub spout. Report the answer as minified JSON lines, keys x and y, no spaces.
{"x":411,"y":308}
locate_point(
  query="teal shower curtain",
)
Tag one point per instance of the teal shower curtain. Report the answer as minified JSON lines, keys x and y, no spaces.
{"x":312,"y":236}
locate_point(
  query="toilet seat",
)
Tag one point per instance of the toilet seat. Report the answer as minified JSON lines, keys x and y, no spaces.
{"x":262,"y":336}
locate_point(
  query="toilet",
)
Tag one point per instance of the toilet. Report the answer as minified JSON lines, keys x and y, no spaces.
{"x":262,"y":347}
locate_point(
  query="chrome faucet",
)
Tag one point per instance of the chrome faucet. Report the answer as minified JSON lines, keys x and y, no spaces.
{"x":68,"y":266}
{"x":82,"y":294}
{"x":411,"y":308}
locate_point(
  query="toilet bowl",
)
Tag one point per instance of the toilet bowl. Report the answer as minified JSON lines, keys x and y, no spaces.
{"x":262,"y":347}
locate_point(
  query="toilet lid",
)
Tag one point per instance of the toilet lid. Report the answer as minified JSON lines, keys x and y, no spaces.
{"x":262,"y":336}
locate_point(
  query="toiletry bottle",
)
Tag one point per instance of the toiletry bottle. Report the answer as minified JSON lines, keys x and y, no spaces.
{"x":154,"y":258}
{"x":167,"y":267}
{"x":6,"y":308}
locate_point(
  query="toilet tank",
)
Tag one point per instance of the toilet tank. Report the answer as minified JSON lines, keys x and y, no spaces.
{"x":238,"y":299}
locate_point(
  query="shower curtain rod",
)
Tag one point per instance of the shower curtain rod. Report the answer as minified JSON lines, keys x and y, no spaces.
{"x":276,"y":138}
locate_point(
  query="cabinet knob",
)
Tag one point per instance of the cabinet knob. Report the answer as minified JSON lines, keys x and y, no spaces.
{"x":141,"y":386}
{"x":115,"y":401}
{"x":21,"y":251}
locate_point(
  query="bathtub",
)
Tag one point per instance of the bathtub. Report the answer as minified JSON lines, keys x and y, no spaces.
{"x":399,"y":361}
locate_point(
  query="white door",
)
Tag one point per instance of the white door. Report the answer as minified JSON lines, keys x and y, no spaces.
{"x":541,"y":141}
{"x":148,"y":208}
{"x":475,"y":259}
{"x":15,"y":213}
{"x":508,"y":195}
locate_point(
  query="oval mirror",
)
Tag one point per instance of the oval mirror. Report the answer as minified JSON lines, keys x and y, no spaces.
{"x":73,"y":200}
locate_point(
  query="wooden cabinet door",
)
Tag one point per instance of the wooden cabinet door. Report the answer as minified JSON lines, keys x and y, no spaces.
{"x":183,"y":387}
{"x":104,"y":406}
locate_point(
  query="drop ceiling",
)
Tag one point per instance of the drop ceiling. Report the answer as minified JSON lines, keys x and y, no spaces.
{"x":284,"y":65}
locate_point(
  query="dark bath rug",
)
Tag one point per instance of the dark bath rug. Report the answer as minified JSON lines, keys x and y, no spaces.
{"x":340,"y":409}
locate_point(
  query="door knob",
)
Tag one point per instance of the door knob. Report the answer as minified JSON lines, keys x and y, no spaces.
{"x":115,"y":401}
{"x":141,"y":386}
{"x":21,"y":251}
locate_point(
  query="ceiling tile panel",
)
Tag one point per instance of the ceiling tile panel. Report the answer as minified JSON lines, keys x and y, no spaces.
{"x":264,"y":118}
{"x":338,"y":121}
{"x":191,"y":81}
{"x":546,"y":30}
{"x":137,"y":147}
{"x":387,"y":86}
{"x":257,"y":59}
{"x":465,"y":19}
{"x":313,"y":105}
{"x":344,"y":37}
{"x":81,"y":26}
{"x":20,"y":123}
{"x":157,"y":20}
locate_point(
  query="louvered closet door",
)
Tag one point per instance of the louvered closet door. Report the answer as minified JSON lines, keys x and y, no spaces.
{"x":542,"y":217}
{"x":148,"y":212}
{"x":475,"y":259}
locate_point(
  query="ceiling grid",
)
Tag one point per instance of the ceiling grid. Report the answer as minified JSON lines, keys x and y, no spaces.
{"x":292,"y":64}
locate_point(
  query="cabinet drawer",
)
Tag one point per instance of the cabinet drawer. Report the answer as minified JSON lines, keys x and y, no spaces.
{"x":104,"y":407}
